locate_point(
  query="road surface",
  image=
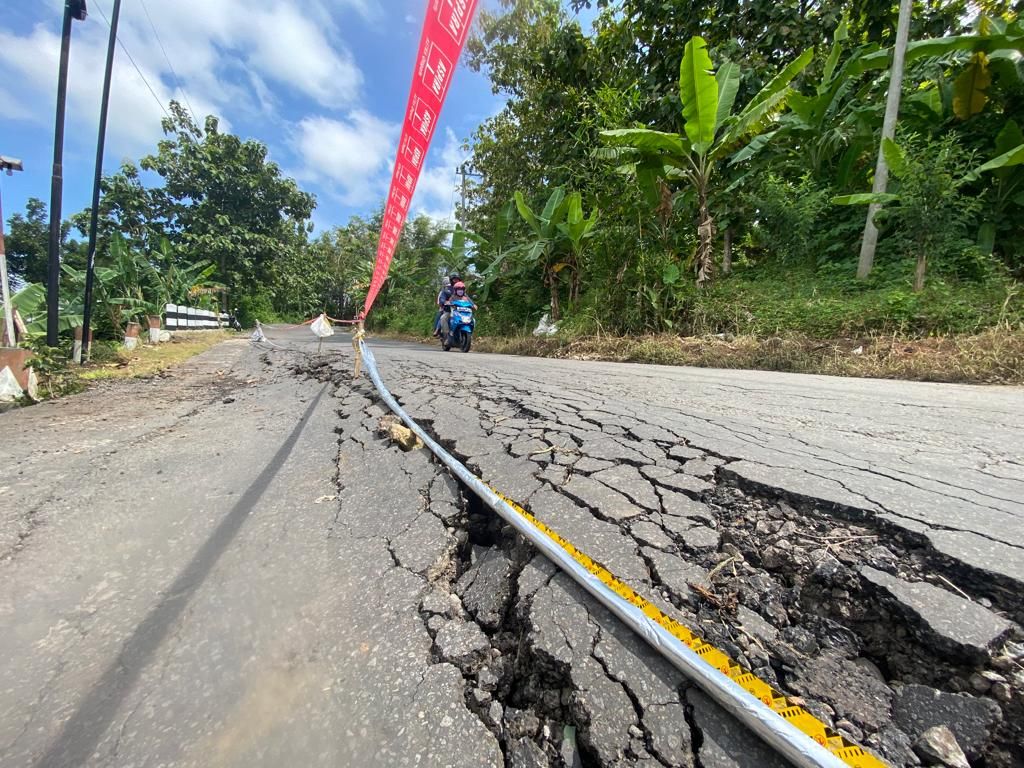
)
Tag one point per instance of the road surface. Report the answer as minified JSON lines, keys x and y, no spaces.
{"x":230,"y":565}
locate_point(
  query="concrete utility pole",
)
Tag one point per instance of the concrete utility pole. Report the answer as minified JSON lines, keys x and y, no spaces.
{"x":73,"y":9}
{"x":892,"y":107}
{"x":90,"y":265}
{"x":463,"y":172}
{"x":8,"y":165}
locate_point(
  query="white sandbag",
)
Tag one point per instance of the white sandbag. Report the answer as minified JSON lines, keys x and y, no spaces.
{"x":33,"y":385}
{"x":322,"y":327}
{"x":545,"y":327}
{"x":10,"y":389}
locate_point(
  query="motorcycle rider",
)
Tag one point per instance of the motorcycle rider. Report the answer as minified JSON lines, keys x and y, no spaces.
{"x":442,"y":301}
{"x":458,"y":292}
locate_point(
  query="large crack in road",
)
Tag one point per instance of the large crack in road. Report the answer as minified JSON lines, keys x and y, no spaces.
{"x":882,"y":636}
{"x":369,"y":611}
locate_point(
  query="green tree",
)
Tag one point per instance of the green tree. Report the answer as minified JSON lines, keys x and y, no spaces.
{"x":712,"y":133}
{"x":224,"y":200}
{"x":930,"y":212}
{"x":555,"y":244}
{"x":127,"y":207}
{"x":27,"y":242}
{"x":538,"y":57}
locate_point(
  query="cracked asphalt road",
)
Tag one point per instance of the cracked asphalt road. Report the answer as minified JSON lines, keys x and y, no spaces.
{"x":944,"y":461}
{"x":230,"y":565}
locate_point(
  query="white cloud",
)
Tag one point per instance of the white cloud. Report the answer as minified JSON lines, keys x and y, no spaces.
{"x":295,"y":44}
{"x":287,"y":46}
{"x":134,"y":117}
{"x":226,"y":55}
{"x":353,"y":155}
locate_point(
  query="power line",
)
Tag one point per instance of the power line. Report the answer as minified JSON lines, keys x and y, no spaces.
{"x":126,"y":53}
{"x":167,"y":58}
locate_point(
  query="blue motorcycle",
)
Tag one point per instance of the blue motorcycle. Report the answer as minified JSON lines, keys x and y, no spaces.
{"x":459,"y":332}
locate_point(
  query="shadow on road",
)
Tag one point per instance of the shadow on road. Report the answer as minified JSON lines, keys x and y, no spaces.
{"x":82,"y":733}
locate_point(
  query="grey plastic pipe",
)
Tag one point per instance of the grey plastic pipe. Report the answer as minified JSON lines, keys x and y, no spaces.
{"x":774,"y":730}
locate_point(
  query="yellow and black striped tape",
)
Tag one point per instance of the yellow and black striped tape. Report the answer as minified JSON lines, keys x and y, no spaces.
{"x":848,"y":752}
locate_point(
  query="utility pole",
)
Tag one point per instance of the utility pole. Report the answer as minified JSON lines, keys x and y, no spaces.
{"x":8,"y":165}
{"x":73,"y":9}
{"x":90,"y":266}
{"x":869,"y":241}
{"x":463,"y":172}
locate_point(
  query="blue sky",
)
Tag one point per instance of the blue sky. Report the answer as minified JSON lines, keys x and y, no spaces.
{"x":323,"y":83}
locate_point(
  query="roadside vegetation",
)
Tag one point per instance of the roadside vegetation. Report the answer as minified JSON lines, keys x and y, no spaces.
{"x":995,"y":356}
{"x":680,"y":174}
{"x":110,"y":360}
{"x":668,"y":194}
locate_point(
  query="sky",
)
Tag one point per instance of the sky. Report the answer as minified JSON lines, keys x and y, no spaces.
{"x":323,"y":83}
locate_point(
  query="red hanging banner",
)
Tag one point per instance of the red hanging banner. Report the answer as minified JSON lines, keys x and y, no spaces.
{"x":444,"y":33}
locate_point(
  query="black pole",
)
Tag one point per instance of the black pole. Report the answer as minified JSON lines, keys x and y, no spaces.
{"x":94,"y":214}
{"x":57,"y":184}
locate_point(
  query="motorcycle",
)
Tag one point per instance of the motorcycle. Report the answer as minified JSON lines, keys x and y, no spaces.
{"x":460,"y":325}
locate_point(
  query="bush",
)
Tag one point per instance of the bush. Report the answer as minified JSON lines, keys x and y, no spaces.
{"x":765,"y":301}
{"x":253,"y":307}
{"x":933,"y":221}
{"x":56,"y":374}
{"x":789,"y":218}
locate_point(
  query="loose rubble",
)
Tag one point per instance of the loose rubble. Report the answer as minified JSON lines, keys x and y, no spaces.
{"x":882,"y":637}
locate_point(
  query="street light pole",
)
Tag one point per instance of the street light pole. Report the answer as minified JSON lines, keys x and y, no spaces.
{"x":7,"y":165}
{"x":73,"y":9}
{"x":94,"y":215}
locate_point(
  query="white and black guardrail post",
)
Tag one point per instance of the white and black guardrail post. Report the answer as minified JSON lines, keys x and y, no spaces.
{"x":180,"y":317}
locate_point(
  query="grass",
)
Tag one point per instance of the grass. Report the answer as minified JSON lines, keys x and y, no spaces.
{"x":147,"y":360}
{"x":994,"y":356}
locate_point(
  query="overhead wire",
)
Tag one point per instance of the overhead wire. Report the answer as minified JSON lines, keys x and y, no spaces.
{"x":177,"y":81}
{"x":137,"y":69}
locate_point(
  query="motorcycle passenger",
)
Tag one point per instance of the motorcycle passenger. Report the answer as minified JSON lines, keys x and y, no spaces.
{"x":459,"y":292}
{"x":442,"y":301}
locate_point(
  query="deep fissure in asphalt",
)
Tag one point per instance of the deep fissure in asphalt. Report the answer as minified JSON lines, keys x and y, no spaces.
{"x":805,"y":594}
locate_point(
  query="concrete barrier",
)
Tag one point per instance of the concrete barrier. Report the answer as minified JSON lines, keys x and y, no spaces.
{"x":179,"y":317}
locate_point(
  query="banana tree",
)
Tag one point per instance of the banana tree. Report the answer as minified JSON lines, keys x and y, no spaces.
{"x":993,"y":36}
{"x":176,"y":283}
{"x":834,"y":126}
{"x":30,"y":302}
{"x":711,"y":133}
{"x":827,"y":131}
{"x":555,"y":243}
{"x":121,"y":283}
{"x":470,"y":249}
{"x":1008,"y":191}
{"x":577,"y":229}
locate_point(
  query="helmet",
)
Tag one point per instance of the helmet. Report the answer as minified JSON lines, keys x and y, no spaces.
{"x":459,"y":288}
{"x":454,"y":278}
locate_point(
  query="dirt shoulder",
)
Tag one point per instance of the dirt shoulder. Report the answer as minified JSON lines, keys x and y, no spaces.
{"x":58,"y":376}
{"x":993,"y":357}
